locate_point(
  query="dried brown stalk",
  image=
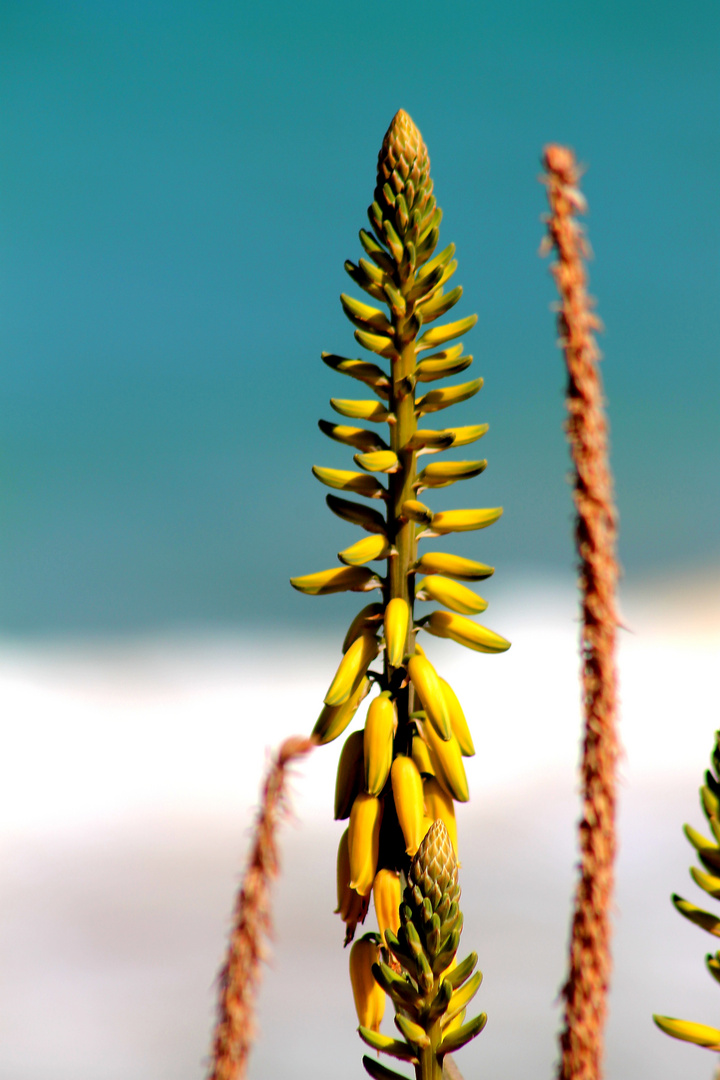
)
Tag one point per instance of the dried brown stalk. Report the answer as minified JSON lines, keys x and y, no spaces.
{"x":585,"y":992}
{"x":240,"y":975}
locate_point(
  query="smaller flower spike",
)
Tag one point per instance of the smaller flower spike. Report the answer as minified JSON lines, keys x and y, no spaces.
{"x":586,"y":986}
{"x":430,"y":991}
{"x":708,"y":878}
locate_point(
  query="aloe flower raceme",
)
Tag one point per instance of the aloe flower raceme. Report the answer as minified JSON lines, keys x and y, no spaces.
{"x":429,"y":990}
{"x":708,"y":878}
{"x":405,"y":769}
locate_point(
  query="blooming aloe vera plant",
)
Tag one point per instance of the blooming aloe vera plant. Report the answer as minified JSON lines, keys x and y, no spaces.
{"x":405,"y":769}
{"x":708,"y":852}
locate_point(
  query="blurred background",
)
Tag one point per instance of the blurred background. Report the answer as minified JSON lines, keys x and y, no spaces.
{"x":180,"y":185}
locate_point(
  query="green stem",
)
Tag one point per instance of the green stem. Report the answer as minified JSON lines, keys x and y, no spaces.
{"x":402,"y":533}
{"x":429,"y":1067}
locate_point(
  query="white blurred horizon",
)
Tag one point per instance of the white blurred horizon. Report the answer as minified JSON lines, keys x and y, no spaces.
{"x":130,"y":776}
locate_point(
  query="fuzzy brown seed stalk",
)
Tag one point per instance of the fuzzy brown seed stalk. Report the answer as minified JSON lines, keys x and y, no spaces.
{"x":585,"y":992}
{"x":240,"y":974}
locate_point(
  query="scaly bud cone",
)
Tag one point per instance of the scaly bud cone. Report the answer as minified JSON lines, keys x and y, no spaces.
{"x":434,"y":869}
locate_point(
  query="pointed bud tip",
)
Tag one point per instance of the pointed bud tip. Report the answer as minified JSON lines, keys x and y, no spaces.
{"x":434,"y":861}
{"x":402,"y":140}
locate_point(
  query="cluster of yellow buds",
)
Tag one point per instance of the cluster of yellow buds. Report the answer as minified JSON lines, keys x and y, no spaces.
{"x":404,"y":769}
{"x":429,"y":990}
{"x":709,"y":880}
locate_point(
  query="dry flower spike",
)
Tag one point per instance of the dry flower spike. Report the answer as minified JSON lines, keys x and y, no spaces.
{"x":585,"y":991}
{"x":240,"y":974}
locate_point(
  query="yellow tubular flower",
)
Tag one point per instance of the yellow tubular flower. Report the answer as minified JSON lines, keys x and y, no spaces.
{"x":408,"y":796}
{"x":333,"y":719}
{"x":458,"y":723}
{"x":447,"y":760}
{"x":426,"y":681}
{"x":378,"y":743}
{"x":369,"y":997}
{"x":387,"y":894}
{"x":364,"y":841}
{"x":421,"y":756}
{"x":397,"y":617}
{"x":352,"y":668}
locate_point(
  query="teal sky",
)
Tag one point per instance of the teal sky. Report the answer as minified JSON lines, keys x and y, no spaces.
{"x":180,"y":185}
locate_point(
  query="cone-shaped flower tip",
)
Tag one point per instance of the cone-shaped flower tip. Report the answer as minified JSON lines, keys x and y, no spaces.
{"x":402,"y":143}
{"x":435,"y":863}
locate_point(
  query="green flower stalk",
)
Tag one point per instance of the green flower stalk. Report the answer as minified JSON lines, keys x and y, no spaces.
{"x":405,"y":769}
{"x":429,"y":990}
{"x":708,"y":878}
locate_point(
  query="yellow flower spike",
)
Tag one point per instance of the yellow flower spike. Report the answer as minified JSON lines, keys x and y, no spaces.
{"x":368,"y":996}
{"x":440,"y":807}
{"x":333,"y":719}
{"x":387,"y":893}
{"x":458,"y":723}
{"x":447,"y":759}
{"x":408,"y":795}
{"x":397,"y":620}
{"x":364,"y":841}
{"x":426,"y":681}
{"x":352,"y":668}
{"x":378,"y":743}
